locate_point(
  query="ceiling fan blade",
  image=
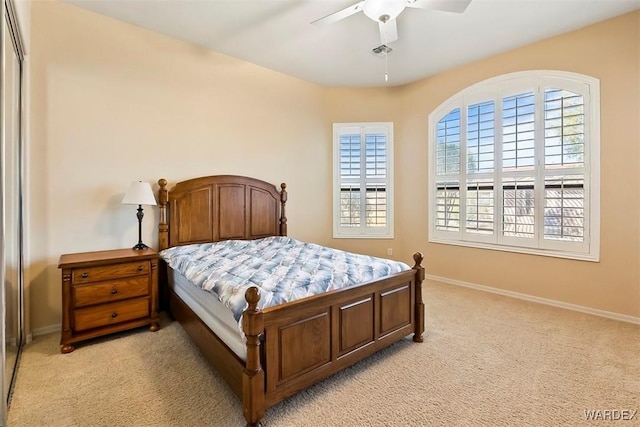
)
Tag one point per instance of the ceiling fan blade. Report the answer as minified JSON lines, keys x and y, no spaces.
{"x":388,"y":31}
{"x":456,"y":6}
{"x":341,"y":14}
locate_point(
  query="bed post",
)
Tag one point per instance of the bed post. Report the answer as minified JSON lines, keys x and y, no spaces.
{"x":163,"y":226}
{"x":253,"y":375}
{"x":419,"y":309}
{"x":283,"y":216}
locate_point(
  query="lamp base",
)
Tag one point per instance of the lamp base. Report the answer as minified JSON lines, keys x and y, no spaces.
{"x":140,"y":246}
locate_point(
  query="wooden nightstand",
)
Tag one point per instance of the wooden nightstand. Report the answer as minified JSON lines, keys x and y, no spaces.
{"x":107,"y":291}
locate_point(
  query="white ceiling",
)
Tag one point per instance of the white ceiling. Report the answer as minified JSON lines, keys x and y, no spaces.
{"x":278,"y":34}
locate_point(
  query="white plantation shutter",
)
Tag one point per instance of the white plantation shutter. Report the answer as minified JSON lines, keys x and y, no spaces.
{"x":350,"y":176}
{"x":363,"y":155}
{"x":480,"y":207}
{"x":376,"y":146}
{"x":518,"y":158}
{"x":564,"y":169}
{"x":448,"y":206}
{"x":564,"y":208}
{"x":448,"y":144}
{"x":518,"y":142}
{"x":481,"y":138}
{"x":518,"y":212}
{"x":447,"y":211}
{"x":514,"y":165}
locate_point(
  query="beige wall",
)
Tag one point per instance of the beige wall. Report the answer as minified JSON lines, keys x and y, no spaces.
{"x":609,"y":51}
{"x":112,"y":103}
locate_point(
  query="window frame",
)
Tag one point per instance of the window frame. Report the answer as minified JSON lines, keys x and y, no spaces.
{"x":496,"y":89}
{"x":362,"y":231}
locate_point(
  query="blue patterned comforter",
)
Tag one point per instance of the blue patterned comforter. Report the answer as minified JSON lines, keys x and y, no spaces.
{"x":283,"y":269}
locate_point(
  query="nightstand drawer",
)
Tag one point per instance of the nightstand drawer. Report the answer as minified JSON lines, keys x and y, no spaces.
{"x":113,"y":290}
{"x":107,"y":272}
{"x":108,"y":314}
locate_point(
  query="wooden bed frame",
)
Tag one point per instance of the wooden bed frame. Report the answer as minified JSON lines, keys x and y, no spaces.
{"x":294,"y":345}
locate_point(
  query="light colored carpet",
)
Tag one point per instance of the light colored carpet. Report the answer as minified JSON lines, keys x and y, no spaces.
{"x":487,"y":360}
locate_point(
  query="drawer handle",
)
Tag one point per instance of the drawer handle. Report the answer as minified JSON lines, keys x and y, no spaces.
{"x":114,"y":315}
{"x":114,"y":291}
{"x":85,"y":275}
{"x":140,"y":268}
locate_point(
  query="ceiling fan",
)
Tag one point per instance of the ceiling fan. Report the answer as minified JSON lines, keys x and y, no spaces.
{"x":385,"y":13}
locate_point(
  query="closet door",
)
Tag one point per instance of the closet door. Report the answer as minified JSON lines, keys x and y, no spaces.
{"x":11,"y":207}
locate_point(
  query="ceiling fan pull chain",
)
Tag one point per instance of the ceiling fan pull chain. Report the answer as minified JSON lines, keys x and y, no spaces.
{"x":386,"y":56}
{"x":386,"y":67}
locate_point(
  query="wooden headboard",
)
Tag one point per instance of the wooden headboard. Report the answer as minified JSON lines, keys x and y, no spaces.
{"x":221,"y":207}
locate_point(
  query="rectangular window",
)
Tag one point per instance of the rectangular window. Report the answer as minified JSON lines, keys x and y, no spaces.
{"x":363,"y":171}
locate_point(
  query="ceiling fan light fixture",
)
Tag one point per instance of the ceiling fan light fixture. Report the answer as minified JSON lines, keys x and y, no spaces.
{"x":383,"y":10}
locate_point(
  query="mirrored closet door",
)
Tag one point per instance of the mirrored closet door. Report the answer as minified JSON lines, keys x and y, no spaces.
{"x":11,"y":160}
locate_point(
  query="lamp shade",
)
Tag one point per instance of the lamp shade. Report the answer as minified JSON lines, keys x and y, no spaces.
{"x":139,"y":193}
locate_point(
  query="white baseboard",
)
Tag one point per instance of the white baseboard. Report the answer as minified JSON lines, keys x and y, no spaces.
{"x":44,"y":331}
{"x":546,"y":301}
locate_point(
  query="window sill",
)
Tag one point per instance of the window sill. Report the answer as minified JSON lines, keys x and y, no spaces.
{"x":363,"y":236}
{"x":591,"y":257}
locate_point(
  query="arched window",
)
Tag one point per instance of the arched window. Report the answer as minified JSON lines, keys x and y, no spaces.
{"x":514,"y":165}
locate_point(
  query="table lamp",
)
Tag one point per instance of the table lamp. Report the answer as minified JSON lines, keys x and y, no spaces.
{"x":139,"y":193}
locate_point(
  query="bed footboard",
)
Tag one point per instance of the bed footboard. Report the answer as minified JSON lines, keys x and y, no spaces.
{"x":308,"y":340}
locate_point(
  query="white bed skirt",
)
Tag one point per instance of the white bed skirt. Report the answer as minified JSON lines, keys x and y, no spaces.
{"x":212,"y":312}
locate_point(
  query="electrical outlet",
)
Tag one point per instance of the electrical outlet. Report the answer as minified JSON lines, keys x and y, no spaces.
{"x":389,"y":251}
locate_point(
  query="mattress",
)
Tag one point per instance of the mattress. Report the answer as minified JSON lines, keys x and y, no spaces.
{"x":211,"y":311}
{"x":282,"y":268}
